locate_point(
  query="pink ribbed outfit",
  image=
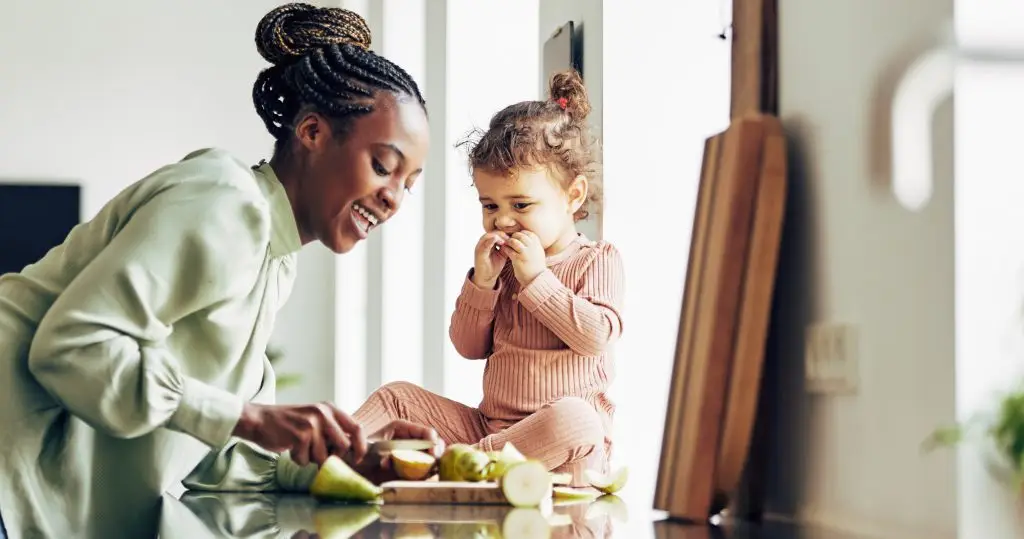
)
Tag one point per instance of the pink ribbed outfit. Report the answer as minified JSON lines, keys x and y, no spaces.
{"x":549,"y":363}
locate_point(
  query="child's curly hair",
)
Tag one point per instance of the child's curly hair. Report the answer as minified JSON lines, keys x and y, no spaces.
{"x":551,"y":133}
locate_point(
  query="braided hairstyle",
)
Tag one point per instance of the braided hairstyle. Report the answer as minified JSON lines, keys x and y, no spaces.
{"x":552,"y":133}
{"x":322,"y":63}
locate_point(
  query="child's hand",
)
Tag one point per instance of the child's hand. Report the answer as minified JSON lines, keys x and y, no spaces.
{"x":527,"y":254}
{"x":489,"y":259}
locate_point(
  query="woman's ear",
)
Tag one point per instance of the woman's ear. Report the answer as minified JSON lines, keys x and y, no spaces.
{"x":312,"y":131}
{"x":577,"y":192}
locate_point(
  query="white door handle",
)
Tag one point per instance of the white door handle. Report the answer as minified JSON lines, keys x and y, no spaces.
{"x":927,"y":83}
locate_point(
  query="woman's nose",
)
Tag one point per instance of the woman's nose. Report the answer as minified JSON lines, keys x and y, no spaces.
{"x":388,"y":200}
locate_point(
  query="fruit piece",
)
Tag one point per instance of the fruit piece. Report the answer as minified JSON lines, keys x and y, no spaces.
{"x":343,"y":521}
{"x":608,"y":505}
{"x":572,"y":494}
{"x":523,"y":523}
{"x":412,"y":465}
{"x":526,"y":484}
{"x":413,"y":530}
{"x":557,"y":520}
{"x":337,"y":481}
{"x":609,"y":484}
{"x":473,"y":465}
{"x":501,"y":460}
{"x":461,"y":462}
{"x":561,"y":478}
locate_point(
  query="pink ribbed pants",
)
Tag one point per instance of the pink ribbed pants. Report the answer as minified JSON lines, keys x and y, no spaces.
{"x":566,"y":435}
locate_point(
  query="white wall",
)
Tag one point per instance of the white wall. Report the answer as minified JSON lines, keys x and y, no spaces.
{"x":665,"y":89}
{"x":588,"y":19}
{"x":988,"y":254}
{"x":105,"y":92}
{"x":479,"y":85}
{"x":851,"y":254}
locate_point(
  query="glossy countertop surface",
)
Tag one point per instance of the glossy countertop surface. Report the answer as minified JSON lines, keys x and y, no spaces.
{"x":238,"y":515}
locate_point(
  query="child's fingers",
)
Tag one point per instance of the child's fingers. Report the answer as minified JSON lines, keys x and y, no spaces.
{"x":516,"y":245}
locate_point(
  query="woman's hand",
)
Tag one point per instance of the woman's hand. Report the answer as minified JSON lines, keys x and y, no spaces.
{"x":310,"y":432}
{"x":378,"y":469}
{"x":489,"y":259}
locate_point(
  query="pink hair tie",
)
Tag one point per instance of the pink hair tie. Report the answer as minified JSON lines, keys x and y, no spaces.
{"x":562,"y":102}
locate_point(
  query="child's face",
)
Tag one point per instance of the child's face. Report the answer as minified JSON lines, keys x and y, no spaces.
{"x":530,"y":200}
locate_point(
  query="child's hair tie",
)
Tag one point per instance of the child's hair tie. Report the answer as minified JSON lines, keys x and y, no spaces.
{"x":562,"y":102}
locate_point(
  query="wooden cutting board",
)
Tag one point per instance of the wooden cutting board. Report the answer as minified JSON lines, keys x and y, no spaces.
{"x":443,"y":492}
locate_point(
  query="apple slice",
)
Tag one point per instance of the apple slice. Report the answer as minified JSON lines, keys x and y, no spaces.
{"x":335,"y":480}
{"x":526,"y":484}
{"x":609,"y":484}
{"x":608,"y":505}
{"x":412,"y":465}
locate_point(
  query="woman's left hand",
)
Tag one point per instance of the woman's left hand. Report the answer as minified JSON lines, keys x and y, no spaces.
{"x":377,"y":468}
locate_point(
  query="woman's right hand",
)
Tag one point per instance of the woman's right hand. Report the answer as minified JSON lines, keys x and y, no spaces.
{"x":489,"y":260}
{"x":310,"y":432}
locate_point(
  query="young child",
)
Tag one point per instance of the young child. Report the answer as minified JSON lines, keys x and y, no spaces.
{"x":542,"y":302}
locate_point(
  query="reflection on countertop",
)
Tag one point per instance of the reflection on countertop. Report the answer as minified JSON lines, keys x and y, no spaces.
{"x":198,"y":515}
{"x":258,"y":515}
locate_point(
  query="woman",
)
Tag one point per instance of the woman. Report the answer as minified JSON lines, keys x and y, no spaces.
{"x":134,"y":348}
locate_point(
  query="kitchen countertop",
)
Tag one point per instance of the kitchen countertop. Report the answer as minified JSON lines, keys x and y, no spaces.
{"x":255,"y":515}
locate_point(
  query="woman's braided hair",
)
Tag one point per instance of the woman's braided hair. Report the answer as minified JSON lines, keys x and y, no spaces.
{"x":322,"y":63}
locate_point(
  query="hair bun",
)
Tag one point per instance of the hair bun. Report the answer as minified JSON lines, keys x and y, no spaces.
{"x":568,"y":85}
{"x":292,"y":30}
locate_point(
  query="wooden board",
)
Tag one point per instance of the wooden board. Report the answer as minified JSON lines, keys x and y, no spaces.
{"x":754,"y":313}
{"x":694,"y":424}
{"x":442,"y":492}
{"x":754,"y":57}
{"x":684,"y":341}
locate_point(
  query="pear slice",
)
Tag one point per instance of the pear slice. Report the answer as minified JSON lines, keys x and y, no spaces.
{"x":609,"y":484}
{"x":501,"y":460}
{"x":524,"y":523}
{"x":561,"y":479}
{"x":335,"y":480}
{"x":462,"y":462}
{"x":526,"y":484}
{"x":412,"y":465}
{"x":608,"y":505}
{"x":570,"y":494}
{"x":343,"y":521}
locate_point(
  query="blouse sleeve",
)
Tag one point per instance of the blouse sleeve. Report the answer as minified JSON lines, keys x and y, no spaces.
{"x":100,"y":349}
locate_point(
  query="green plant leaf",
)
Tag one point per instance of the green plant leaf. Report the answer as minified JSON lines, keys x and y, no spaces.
{"x":285,"y":380}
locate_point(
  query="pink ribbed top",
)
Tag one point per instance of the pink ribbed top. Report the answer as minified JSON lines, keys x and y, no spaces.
{"x":549,"y":339}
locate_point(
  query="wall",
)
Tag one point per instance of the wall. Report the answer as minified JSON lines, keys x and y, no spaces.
{"x":588,"y":20}
{"x":851,"y":254}
{"x":665,"y":89}
{"x":105,"y":92}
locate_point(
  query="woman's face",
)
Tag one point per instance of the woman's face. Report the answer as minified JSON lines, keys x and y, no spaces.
{"x":351,"y":183}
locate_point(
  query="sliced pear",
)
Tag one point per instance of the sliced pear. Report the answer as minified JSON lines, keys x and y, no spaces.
{"x":608,"y":505}
{"x":343,"y":521}
{"x":462,"y":462}
{"x":413,"y":530}
{"x":524,"y":523}
{"x":570,"y":494}
{"x":335,"y":480}
{"x":609,"y":484}
{"x":557,"y":520}
{"x":561,"y":478}
{"x":501,"y":460}
{"x":526,"y":484}
{"x":412,"y":465}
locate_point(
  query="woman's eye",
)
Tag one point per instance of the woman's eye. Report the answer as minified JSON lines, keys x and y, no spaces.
{"x":490,"y":207}
{"x":379,"y":168}
{"x":522,"y":205}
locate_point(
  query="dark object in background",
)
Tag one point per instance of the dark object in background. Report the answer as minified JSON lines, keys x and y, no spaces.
{"x":34,"y":218}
